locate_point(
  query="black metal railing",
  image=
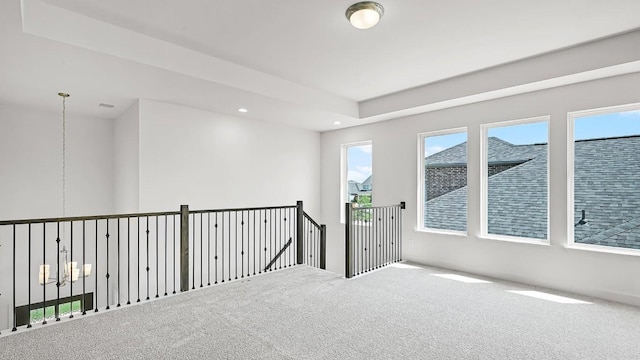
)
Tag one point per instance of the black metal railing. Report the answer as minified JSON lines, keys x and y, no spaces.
{"x":315,"y":243}
{"x":141,"y":256}
{"x":372,"y":237}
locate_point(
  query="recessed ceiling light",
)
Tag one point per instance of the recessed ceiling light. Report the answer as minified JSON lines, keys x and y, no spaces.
{"x":337,"y":123}
{"x":243,"y":110}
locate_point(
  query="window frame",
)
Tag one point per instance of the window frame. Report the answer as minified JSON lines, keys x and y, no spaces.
{"x":571,"y":120}
{"x":344,"y":172}
{"x":484,"y":180}
{"x":421,"y":182}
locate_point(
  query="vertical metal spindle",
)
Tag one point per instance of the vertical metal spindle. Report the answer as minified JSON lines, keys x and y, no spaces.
{"x":280,"y":237}
{"x":229,"y":247}
{"x":147,"y":268}
{"x":174,"y":254}
{"x":57,"y":313}
{"x":323,"y":247}
{"x":260,"y":243}
{"x":166,"y":220}
{"x":286,"y":237}
{"x":208,"y":249}
{"x":242,"y":249}
{"x":193,"y":254}
{"x":84,"y":261}
{"x":157,"y":259}
{"x":299,"y":235}
{"x":128,"y":261}
{"x":107,"y":276}
{"x":118,"y":261}
{"x":215,"y":244}
{"x":254,"y":241}
{"x":184,"y":248}
{"x":272,"y":237}
{"x":29,"y":278}
{"x":70,"y":272}
{"x":201,"y":253}
{"x":235,"y":229}
{"x":96,"y":271}
{"x":347,"y":252}
{"x":44,"y":261}
{"x":138,"y":262}
{"x":222,"y":241}
{"x":15,"y":328}
{"x":402,"y":206}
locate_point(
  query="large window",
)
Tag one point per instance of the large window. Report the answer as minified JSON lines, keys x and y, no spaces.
{"x":357,"y":175}
{"x":515,"y":179}
{"x":443,"y":179}
{"x":605,"y":181}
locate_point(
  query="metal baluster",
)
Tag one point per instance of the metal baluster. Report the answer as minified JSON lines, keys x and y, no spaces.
{"x":29,"y":278}
{"x":259,"y":252}
{"x":128,"y":261}
{"x":174,"y":254}
{"x":242,"y":253}
{"x":96,"y":270}
{"x":229,"y":237}
{"x":107,"y":276}
{"x":147,"y":268}
{"x":279,"y":211}
{"x":166,"y":220}
{"x":57,"y":314}
{"x":138,"y":263}
{"x":14,"y":280}
{"x":215,"y":241}
{"x":84,"y":261}
{"x":208,"y":249}
{"x":254,"y":241}
{"x":70,"y":273}
{"x":201,"y":251}
{"x":272,"y":237}
{"x":118,"y":277}
{"x":193,"y":252}
{"x":222,"y":241}
{"x":235,"y":229}
{"x":157,"y":260}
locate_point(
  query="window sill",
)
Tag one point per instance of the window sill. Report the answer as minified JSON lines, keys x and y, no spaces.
{"x":442,"y":232}
{"x":603,"y":249}
{"x":519,"y":240}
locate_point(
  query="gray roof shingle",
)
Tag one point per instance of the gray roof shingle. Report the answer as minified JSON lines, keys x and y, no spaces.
{"x":606,"y":187}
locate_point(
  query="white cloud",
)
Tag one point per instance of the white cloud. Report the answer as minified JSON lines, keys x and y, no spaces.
{"x":364,"y":169}
{"x":631,"y":113}
{"x":430,"y":150}
{"x":366,"y":148}
{"x":358,"y":176}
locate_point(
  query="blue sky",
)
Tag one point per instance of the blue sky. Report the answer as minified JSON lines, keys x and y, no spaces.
{"x":588,"y":127}
{"x":359,"y":162}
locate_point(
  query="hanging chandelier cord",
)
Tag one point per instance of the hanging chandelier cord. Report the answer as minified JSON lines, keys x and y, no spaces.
{"x":64,"y":155}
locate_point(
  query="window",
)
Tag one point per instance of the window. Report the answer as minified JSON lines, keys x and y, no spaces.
{"x":515,"y":179}
{"x":39,"y":312}
{"x":443,"y":179}
{"x":604,"y":178}
{"x":357,"y":175}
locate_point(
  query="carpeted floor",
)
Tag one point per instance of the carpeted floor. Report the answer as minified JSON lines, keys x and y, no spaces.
{"x":400,"y":312}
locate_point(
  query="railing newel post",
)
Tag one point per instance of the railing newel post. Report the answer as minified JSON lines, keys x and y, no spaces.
{"x":347,"y":229}
{"x":184,"y":248}
{"x":323,"y":247}
{"x":299,"y":233}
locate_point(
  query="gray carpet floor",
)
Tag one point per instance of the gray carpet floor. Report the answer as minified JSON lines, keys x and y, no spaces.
{"x":305,"y":313}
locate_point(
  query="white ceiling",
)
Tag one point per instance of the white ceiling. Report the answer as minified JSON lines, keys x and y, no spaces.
{"x":294,"y":61}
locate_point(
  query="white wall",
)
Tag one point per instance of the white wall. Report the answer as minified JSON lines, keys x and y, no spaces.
{"x":31,"y":186}
{"x":209,"y":161}
{"x":126,"y":160}
{"x":395,"y":169}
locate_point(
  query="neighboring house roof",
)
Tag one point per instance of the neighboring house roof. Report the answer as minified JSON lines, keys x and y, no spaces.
{"x":367,"y":181}
{"x":356,"y":188}
{"x":605,"y":187}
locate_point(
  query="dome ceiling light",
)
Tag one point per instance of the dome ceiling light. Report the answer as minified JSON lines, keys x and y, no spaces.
{"x":364,"y":15}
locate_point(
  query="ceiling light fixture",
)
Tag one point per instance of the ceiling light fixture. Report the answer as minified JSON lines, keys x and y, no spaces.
{"x":243,"y":110}
{"x":337,"y":123}
{"x":365,"y":14}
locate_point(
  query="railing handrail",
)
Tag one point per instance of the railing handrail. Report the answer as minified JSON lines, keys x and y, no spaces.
{"x":242,"y":209}
{"x":306,"y":216}
{"x":86,"y":218}
{"x":400,"y":205}
{"x":275,"y":258}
